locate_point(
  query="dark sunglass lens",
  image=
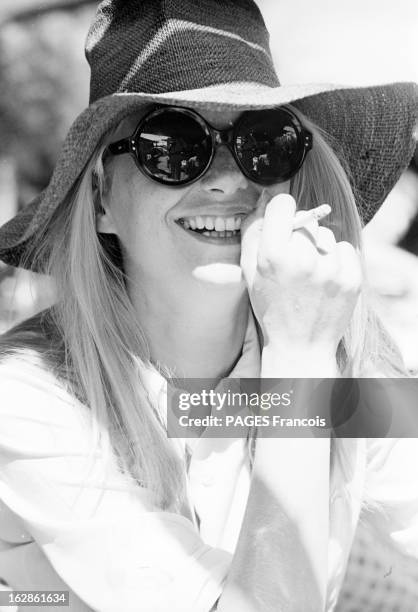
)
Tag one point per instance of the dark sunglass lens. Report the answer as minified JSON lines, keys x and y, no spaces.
{"x":173,"y":146}
{"x":269,"y":145}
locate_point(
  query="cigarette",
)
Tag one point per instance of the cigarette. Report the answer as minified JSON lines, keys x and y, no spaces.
{"x":304,"y":216}
{"x":315,"y":214}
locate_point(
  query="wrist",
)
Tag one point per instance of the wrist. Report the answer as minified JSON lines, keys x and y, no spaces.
{"x":300,"y":362}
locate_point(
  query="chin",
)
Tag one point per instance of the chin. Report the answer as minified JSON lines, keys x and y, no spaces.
{"x":220,"y":273}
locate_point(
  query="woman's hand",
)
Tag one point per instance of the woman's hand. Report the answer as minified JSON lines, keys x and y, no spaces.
{"x":302,"y":284}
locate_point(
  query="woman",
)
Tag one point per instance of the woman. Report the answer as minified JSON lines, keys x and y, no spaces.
{"x":170,"y":251}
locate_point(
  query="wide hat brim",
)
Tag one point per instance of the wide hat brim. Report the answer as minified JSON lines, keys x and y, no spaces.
{"x":374,"y":128}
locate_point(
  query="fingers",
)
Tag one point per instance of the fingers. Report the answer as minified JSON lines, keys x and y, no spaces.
{"x":266,"y":233}
{"x":325,"y":240}
{"x":269,"y":238}
{"x":251,"y":230}
{"x":309,"y":230}
{"x":253,"y":223}
{"x":350,"y":272}
{"x":277,"y":226}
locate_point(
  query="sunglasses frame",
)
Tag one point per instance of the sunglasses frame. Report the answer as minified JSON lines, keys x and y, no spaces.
{"x":225,"y":137}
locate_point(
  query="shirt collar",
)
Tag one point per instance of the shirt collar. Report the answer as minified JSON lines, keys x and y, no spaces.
{"x":247,"y":366}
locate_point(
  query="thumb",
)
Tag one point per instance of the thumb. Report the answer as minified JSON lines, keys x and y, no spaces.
{"x":251,"y":231}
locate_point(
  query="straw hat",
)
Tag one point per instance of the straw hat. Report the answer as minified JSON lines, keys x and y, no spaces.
{"x":215,"y":54}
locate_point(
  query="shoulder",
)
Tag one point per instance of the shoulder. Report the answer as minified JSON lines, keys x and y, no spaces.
{"x":36,"y":404}
{"x":39,"y":419}
{"x":36,"y":408}
{"x":38,"y":333}
{"x":26,"y":354}
{"x":24,"y":376}
{"x":31,"y":356}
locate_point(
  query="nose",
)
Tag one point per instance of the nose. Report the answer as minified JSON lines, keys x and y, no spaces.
{"x":224,"y":176}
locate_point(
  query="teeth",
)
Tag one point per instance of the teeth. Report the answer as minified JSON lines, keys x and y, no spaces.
{"x":219,"y":224}
{"x":230,"y":224}
{"x":215,"y":234}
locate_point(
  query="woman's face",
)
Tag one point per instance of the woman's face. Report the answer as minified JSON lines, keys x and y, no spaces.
{"x":155,"y":222}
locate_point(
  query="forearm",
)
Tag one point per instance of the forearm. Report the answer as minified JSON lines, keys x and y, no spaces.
{"x":308,"y":362}
{"x":281,"y":559}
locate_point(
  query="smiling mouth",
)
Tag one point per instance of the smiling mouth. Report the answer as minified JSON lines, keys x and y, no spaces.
{"x":219,"y":228}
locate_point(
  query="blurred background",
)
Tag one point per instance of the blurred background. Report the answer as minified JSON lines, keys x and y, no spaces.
{"x":44,"y":85}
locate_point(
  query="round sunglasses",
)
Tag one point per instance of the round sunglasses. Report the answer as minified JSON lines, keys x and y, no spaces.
{"x":175,"y":146}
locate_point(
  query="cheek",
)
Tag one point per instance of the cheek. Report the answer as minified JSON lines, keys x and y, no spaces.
{"x":279,"y":188}
{"x":139,"y":210}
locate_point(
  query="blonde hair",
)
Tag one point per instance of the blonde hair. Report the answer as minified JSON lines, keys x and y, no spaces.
{"x":366,"y":348}
{"x":103,"y":357}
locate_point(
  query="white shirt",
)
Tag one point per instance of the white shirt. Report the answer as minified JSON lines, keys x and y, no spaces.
{"x":71,"y":521}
